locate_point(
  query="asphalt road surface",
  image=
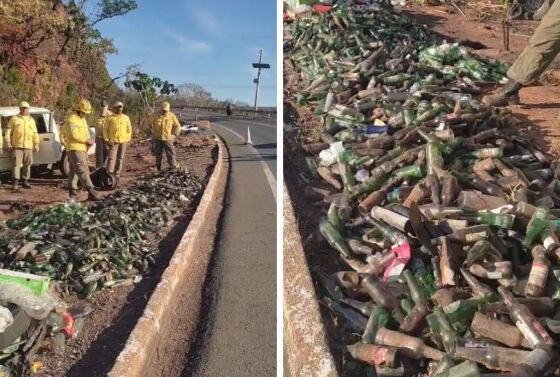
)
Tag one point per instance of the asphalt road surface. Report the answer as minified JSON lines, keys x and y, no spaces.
{"x":238,"y":336}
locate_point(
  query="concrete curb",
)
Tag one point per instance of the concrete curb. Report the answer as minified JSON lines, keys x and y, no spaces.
{"x":185,"y":274}
{"x":306,"y":352}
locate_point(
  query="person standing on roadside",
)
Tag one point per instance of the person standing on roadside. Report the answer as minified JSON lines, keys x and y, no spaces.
{"x":77,"y":140}
{"x":165,"y":129}
{"x":117,"y":134}
{"x":100,"y":147}
{"x":22,"y":140}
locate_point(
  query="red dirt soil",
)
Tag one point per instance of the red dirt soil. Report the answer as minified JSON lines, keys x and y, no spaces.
{"x":540,"y":104}
{"x":51,"y":189}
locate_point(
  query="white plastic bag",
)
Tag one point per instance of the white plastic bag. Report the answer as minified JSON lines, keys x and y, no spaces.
{"x":37,"y":307}
{"x":329,"y":156}
{"x":6,"y":318}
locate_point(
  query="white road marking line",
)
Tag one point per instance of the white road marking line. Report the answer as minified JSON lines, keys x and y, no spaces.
{"x":267,"y":172}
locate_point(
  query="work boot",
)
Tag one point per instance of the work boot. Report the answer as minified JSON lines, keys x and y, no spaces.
{"x":93,"y":195}
{"x":508,"y":95}
{"x":72,"y":192}
{"x":16,"y":185}
{"x":26,"y":184}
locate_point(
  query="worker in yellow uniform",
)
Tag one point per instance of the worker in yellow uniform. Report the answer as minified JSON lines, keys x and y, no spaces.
{"x":22,"y":140}
{"x":100,"y":147}
{"x":117,"y":133}
{"x":77,"y":141}
{"x":165,"y":128}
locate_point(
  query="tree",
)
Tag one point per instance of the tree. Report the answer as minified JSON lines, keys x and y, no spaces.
{"x":24,"y":27}
{"x":80,"y":25}
{"x":149,"y":88}
{"x":194,"y":94}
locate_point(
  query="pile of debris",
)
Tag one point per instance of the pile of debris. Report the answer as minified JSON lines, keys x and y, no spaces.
{"x":83,"y":248}
{"x":445,"y":219}
{"x":107,"y":244}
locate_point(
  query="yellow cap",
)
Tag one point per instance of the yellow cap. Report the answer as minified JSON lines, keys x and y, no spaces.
{"x":83,"y":105}
{"x":165,"y":106}
{"x":24,"y":105}
{"x":119,"y":104}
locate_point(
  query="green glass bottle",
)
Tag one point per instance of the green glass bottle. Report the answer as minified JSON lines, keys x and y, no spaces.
{"x":535,"y":226}
{"x":461,"y":312}
{"x":416,"y":292}
{"x":434,"y":159}
{"x":431,"y":138}
{"x":407,"y":305}
{"x":334,"y":238}
{"x":348,"y":179}
{"x":392,"y":154}
{"x":501,"y":220}
{"x":428,"y":115}
{"x":408,"y":172}
{"x":421,"y":273}
{"x":371,"y":184}
{"x":446,"y":330}
{"x":378,"y":318}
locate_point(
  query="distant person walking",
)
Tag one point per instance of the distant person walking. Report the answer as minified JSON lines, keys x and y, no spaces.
{"x":228,"y":109}
{"x":117,"y":134}
{"x":165,"y":129}
{"x":100,"y":147}
{"x":22,"y":139}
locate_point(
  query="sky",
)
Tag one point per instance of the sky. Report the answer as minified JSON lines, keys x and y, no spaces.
{"x":210,"y":43}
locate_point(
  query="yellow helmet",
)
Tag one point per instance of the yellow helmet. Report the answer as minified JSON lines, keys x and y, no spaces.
{"x":165,"y":106}
{"x":83,"y":105}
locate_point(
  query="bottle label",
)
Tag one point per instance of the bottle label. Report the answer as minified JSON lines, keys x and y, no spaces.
{"x":452,"y":307}
{"x":548,"y":242}
{"x":542,"y":332}
{"x":379,"y":355}
{"x":532,"y":337}
{"x":538,"y":274}
{"x":473,"y":237}
{"x":495,"y":275}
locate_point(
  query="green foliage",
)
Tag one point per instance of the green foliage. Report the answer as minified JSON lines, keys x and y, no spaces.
{"x":51,"y":53}
{"x":113,"y":8}
{"x":149,"y":88}
{"x":143,"y":91}
{"x":13,"y":87}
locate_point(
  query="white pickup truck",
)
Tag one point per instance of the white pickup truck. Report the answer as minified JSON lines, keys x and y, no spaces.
{"x":51,"y":153}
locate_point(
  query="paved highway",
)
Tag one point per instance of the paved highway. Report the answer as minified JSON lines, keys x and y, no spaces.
{"x":238,"y":336}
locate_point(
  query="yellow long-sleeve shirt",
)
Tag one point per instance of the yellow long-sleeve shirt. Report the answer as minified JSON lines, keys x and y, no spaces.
{"x":100,"y":124}
{"x":22,"y":132}
{"x":163,"y":126}
{"x":117,"y":129}
{"x":75,"y":132}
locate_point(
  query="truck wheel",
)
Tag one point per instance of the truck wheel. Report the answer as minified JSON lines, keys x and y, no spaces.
{"x":64,"y":164}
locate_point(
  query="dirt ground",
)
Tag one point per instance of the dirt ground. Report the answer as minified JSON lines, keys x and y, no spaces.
{"x":540,"y":104}
{"x":49,"y":189}
{"x":94,"y":350}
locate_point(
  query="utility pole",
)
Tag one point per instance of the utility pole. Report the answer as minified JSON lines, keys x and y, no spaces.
{"x":260,"y":66}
